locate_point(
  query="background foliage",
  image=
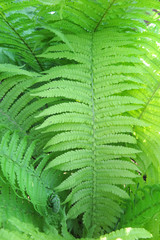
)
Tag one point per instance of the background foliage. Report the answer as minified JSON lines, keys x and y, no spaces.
{"x":79,"y":119}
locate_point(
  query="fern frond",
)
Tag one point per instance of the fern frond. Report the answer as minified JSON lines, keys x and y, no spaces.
{"x":26,"y":231}
{"x":17,"y":168}
{"x":143,"y":210}
{"x":95,"y":99}
{"x":13,"y":206}
{"x":127,"y":234}
{"x":91,"y":122}
{"x":18,"y":31}
{"x":17,"y":107}
{"x":148,"y":138}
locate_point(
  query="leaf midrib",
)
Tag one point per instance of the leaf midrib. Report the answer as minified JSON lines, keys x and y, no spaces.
{"x":95,"y":29}
{"x":149,"y":100}
{"x":22,"y":40}
{"x":93,"y":134}
{"x":93,"y":218}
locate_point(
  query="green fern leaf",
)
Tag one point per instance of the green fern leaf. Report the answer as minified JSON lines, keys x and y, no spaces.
{"x":100,"y":84}
{"x":17,"y":31}
{"x":17,"y":107}
{"x":143,"y":210}
{"x":148,"y":138}
{"x":13,"y":206}
{"x":91,"y":121}
{"x":128,"y":234}
{"x":16,"y":165}
{"x":26,"y":231}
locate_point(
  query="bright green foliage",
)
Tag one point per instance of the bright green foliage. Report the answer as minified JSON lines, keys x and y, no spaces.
{"x":18,"y":37}
{"x":79,"y":118}
{"x":18,"y":168}
{"x":148,"y":138}
{"x":127,"y":234}
{"x":12,"y":205}
{"x":15,"y":83}
{"x":17,"y":108}
{"x":95,"y":108}
{"x":143,"y":210}
{"x":27,"y":231}
{"x":95,"y":136}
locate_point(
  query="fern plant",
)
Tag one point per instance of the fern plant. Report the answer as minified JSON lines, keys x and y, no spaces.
{"x":143,"y":210}
{"x":79,"y":122}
